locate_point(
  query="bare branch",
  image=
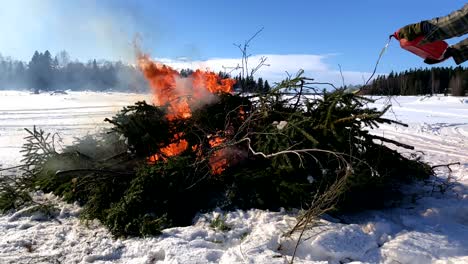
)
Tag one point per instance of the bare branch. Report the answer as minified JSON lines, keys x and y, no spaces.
{"x":342,"y":77}
{"x":254,"y":35}
{"x":446,"y":165}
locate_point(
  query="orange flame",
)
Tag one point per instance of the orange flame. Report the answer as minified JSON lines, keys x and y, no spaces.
{"x":179,"y":94}
{"x":211,"y":82}
{"x":218,"y":161}
{"x":172,"y":149}
{"x":163,"y":83}
{"x":169,"y":88}
{"x":175,"y":148}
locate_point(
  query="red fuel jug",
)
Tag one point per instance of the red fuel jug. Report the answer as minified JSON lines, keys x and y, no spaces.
{"x":434,"y":50}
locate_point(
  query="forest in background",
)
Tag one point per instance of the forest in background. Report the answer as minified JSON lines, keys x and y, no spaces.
{"x":437,"y":80}
{"x":45,"y":72}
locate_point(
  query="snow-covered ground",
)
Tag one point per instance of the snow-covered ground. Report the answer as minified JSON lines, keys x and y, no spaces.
{"x":430,"y":227}
{"x":71,"y":115}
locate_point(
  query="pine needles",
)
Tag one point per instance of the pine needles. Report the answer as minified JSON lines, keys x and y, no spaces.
{"x":14,"y":189}
{"x":262,"y":151}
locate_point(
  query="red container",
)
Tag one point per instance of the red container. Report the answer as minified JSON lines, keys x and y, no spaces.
{"x":434,"y":50}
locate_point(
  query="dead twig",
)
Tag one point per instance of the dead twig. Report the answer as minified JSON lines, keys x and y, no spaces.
{"x":342,"y":77}
{"x":446,"y":165}
{"x":321,"y":204}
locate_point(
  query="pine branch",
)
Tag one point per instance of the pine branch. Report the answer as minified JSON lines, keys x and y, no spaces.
{"x":394,"y":142}
{"x":78,"y":171}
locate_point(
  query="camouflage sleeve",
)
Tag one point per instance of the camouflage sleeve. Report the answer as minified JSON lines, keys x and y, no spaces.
{"x":452,"y":25}
{"x":460,"y":51}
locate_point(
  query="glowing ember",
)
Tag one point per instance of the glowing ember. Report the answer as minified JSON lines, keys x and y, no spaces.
{"x":218,"y":161}
{"x":170,"y":150}
{"x":175,"y":148}
{"x":216,"y":141}
{"x":242,"y":113}
{"x":179,"y":94}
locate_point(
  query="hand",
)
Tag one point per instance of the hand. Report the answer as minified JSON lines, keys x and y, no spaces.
{"x":447,"y":54}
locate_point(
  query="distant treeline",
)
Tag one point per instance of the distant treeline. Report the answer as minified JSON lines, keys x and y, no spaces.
{"x":439,"y":80}
{"x":47,"y":73}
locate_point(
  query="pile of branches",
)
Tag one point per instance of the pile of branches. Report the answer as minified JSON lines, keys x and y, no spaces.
{"x":276,"y":152}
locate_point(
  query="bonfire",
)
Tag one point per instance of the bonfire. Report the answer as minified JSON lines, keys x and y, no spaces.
{"x":180,"y":95}
{"x":198,"y":146}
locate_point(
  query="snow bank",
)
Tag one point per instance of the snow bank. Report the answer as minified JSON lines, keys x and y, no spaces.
{"x":431,"y":226}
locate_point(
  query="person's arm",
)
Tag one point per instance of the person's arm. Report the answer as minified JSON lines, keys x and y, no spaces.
{"x":460,"y":51}
{"x":453,"y":25}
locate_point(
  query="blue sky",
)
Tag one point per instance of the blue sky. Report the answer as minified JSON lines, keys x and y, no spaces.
{"x":327,"y":33}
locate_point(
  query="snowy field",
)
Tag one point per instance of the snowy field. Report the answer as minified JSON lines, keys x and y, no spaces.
{"x":71,"y":115}
{"x":430,"y":227}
